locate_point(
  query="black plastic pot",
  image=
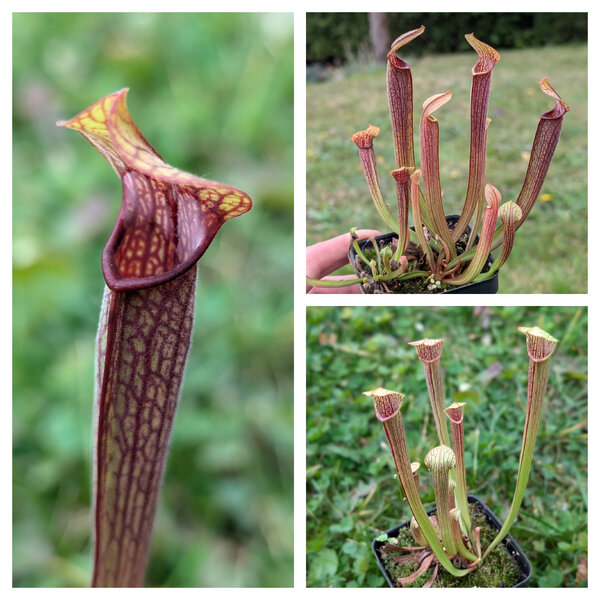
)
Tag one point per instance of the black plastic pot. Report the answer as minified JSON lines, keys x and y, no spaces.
{"x":508,"y":543}
{"x":488,"y":286}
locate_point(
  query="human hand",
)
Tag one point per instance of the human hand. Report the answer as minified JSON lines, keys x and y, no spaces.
{"x":325,"y":257}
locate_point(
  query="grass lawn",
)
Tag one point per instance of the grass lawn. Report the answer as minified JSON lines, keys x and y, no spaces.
{"x":352,"y":494}
{"x":553,"y":240}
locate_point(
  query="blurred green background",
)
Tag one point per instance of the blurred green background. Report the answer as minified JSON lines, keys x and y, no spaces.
{"x":550,"y":251}
{"x":352,"y":495}
{"x":213,"y":93}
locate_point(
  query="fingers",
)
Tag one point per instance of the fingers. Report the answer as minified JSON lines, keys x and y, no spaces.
{"x":327,"y":256}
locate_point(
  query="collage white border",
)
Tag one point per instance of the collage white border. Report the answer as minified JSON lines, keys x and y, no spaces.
{"x":301,"y":300}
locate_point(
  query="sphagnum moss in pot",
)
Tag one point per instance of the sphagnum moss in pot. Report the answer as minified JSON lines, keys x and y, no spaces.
{"x":439,"y":254}
{"x":459,"y":543}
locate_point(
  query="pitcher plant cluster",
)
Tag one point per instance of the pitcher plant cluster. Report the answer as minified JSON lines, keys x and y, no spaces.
{"x":167,"y":220}
{"x":449,"y":539}
{"x":444,"y":253}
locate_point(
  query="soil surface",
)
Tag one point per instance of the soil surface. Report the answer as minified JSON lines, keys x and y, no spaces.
{"x":498,"y":570}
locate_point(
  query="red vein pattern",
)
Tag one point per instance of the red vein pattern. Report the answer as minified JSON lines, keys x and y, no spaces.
{"x":487,"y":58}
{"x":542,"y":151}
{"x":430,"y":164}
{"x":167,"y":220}
{"x":144,"y":339}
{"x":400,"y":100}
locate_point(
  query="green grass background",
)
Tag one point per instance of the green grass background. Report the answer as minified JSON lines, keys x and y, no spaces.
{"x":550,"y":252}
{"x":213,"y":93}
{"x":352,"y":495}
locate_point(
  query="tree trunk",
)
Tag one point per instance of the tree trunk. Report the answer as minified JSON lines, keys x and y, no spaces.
{"x":380,"y":35}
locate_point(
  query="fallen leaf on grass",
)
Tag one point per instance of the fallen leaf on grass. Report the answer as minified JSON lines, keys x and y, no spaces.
{"x":582,"y":571}
{"x":493,"y":371}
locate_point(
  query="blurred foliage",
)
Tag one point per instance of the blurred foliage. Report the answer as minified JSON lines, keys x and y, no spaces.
{"x":338,"y":37}
{"x":213,"y":93}
{"x":554,"y":237}
{"x":352,"y":493}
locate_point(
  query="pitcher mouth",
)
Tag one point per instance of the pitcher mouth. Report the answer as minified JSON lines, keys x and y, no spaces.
{"x":168,"y":217}
{"x":161,"y":231}
{"x":119,"y":282}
